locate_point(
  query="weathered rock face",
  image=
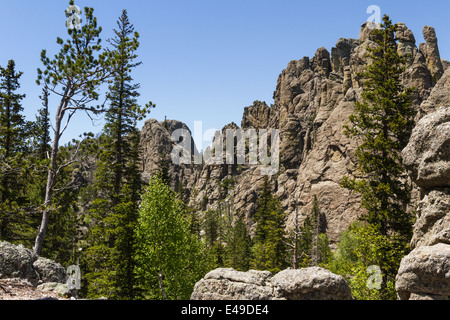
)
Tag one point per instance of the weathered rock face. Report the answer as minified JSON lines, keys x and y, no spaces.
{"x":302,"y":284}
{"x":256,"y":116}
{"x":427,"y":155}
{"x":425,"y":272}
{"x":439,"y":96}
{"x":313,"y":283}
{"x":312,"y":101}
{"x":156,"y":147}
{"x":430,"y":50}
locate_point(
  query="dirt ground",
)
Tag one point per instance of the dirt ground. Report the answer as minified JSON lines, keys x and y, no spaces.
{"x":19,"y":289}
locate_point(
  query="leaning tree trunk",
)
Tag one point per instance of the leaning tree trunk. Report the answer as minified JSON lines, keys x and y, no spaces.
{"x":51,"y":180}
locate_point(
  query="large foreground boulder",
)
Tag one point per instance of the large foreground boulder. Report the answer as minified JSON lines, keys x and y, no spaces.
{"x":18,"y":262}
{"x":302,"y":284}
{"x":50,"y":271}
{"x":425,"y":274}
{"x":311,"y":284}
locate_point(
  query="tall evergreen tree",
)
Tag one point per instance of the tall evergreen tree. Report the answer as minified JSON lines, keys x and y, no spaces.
{"x":383,"y":120}
{"x":238,"y":249}
{"x":14,"y":130}
{"x":41,"y":128}
{"x":117,"y":178}
{"x":40,"y":152}
{"x":269,"y":248}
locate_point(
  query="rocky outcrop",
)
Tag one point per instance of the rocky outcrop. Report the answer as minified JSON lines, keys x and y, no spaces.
{"x":256,"y":116}
{"x":50,"y":271}
{"x":313,"y":99}
{"x":439,"y":96}
{"x":303,"y":284}
{"x":430,"y":50}
{"x":156,"y":145}
{"x":427,"y":155}
{"x":425,"y":272}
{"x":18,"y":262}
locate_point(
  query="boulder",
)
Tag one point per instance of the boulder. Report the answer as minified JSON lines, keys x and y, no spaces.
{"x":229,"y":284}
{"x":303,"y":284}
{"x":16,"y":262}
{"x":50,"y":271}
{"x":425,"y":274}
{"x":310,"y":284}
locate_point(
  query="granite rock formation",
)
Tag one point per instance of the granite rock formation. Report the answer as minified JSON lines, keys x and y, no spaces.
{"x":313,"y":99}
{"x":303,"y":284}
{"x":424,"y":274}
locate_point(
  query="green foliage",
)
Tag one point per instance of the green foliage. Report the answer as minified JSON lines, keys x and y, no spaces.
{"x":170,"y":259}
{"x":80,"y":67}
{"x":360,"y":247}
{"x":117,"y":177}
{"x":312,"y":247}
{"x":384,"y":121}
{"x":14,"y":134}
{"x":269,"y":249}
{"x":41,"y":129}
{"x":239,"y":245}
{"x":215,"y":235}
{"x":74,"y":75}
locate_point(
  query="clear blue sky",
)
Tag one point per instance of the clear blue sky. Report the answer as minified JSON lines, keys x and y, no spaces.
{"x":205,"y":59}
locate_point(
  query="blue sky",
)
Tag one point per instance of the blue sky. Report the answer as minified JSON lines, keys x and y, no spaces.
{"x":205,"y":60}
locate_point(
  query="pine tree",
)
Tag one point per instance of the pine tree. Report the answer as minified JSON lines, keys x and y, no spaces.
{"x":238,"y":249}
{"x":41,"y":128}
{"x":383,"y":120}
{"x":317,"y":224}
{"x":39,"y":154}
{"x":74,"y":75}
{"x":14,"y":131}
{"x":215,"y":235}
{"x":269,"y":248}
{"x":117,"y":177}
